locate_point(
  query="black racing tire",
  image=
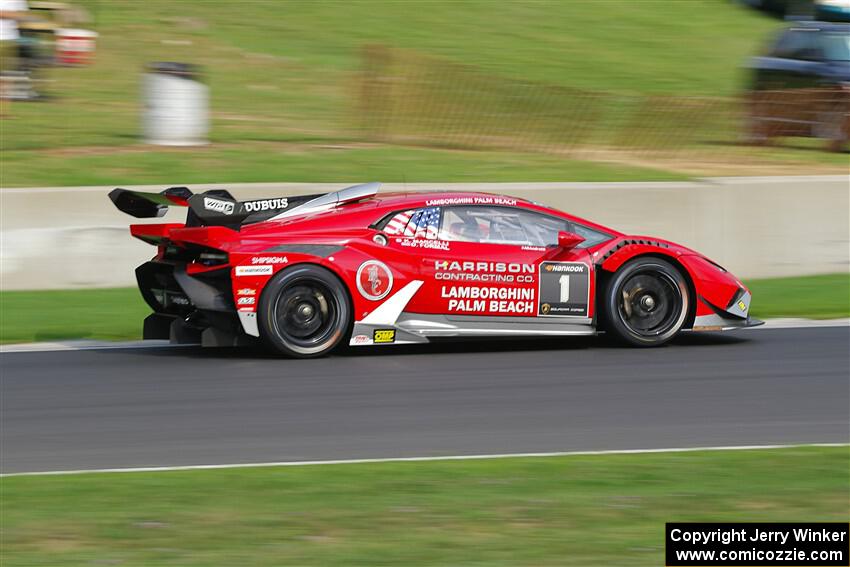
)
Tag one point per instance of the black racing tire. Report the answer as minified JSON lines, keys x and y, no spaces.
{"x":304,"y":312}
{"x":645,"y":303}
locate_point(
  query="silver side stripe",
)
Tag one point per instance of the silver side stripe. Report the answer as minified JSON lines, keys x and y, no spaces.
{"x":510,"y":332}
{"x":387,"y":313}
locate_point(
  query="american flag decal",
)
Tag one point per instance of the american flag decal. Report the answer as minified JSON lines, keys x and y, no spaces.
{"x":398,"y":223}
{"x":422,"y":223}
{"x":428,"y":223}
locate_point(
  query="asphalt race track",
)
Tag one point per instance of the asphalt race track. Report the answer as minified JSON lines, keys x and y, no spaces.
{"x":183,"y":406}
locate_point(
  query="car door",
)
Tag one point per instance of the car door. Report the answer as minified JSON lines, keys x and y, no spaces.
{"x":790,"y":73}
{"x":791,"y":63}
{"x":495,"y":262}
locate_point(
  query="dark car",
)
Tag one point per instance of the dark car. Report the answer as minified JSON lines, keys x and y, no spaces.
{"x":832,"y":10}
{"x":825,"y":10}
{"x":801,"y":85}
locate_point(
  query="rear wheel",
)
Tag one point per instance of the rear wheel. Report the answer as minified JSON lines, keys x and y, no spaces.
{"x":646,"y":302}
{"x":304,"y":312}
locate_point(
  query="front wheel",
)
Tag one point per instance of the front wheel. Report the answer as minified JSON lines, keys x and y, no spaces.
{"x":646,"y":302}
{"x":304,"y":312}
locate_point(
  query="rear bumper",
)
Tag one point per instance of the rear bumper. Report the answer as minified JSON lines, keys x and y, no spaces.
{"x":188,"y":308}
{"x":168,"y":288}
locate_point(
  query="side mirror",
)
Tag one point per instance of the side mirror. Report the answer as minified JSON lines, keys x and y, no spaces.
{"x":568,"y":240}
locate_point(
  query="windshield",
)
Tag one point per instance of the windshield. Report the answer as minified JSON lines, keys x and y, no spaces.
{"x":837,"y":46}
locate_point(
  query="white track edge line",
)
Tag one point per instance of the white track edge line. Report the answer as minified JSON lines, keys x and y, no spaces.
{"x":14,"y":348}
{"x":423,"y":459}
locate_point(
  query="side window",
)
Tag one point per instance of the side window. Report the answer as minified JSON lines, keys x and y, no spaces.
{"x":836,"y":46}
{"x":788,"y":44}
{"x":591,"y":237}
{"x":796,"y":44}
{"x":500,"y":225}
{"x":415,"y":223}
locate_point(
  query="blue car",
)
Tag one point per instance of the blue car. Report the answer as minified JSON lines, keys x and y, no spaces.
{"x":832,"y":10}
{"x":800,"y":86}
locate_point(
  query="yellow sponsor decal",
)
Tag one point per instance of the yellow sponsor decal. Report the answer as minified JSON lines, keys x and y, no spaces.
{"x":383,"y":336}
{"x":742,"y":306}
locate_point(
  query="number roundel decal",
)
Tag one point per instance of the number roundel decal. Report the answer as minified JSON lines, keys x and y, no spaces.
{"x":374,"y":280}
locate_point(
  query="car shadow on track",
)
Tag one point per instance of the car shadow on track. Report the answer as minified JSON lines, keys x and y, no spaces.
{"x":534,"y":344}
{"x":448,"y":346}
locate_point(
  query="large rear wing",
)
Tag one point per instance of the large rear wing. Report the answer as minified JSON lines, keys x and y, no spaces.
{"x":220,"y":208}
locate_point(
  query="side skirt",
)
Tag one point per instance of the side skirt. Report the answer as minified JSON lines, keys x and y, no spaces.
{"x":412,"y":328}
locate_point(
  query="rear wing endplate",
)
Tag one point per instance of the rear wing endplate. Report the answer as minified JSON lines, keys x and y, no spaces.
{"x":143,"y":205}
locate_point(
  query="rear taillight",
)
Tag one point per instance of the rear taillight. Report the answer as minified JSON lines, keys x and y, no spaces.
{"x":193,"y":254}
{"x":212,"y":258}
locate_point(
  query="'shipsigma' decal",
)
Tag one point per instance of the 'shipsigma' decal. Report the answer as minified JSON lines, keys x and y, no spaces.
{"x":269,"y":260}
{"x":254,"y":270}
{"x":374,"y":280}
{"x":564,"y":289}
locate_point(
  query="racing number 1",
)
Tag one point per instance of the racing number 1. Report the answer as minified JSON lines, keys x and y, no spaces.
{"x":564,"y":282}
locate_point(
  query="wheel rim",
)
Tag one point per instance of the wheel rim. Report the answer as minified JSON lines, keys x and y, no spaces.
{"x":650,"y":303}
{"x":306,"y":314}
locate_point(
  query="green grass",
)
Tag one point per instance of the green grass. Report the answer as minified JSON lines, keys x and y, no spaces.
{"x":116,"y":314}
{"x":815,"y":297}
{"x":282,"y":71}
{"x":110,"y":314}
{"x":287,"y":74}
{"x":258,"y":162}
{"x":581,"y":510}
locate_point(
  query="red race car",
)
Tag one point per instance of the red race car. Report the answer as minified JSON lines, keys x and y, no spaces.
{"x":308,"y":274}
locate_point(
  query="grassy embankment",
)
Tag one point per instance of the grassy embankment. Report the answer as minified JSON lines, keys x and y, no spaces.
{"x":284,"y":89}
